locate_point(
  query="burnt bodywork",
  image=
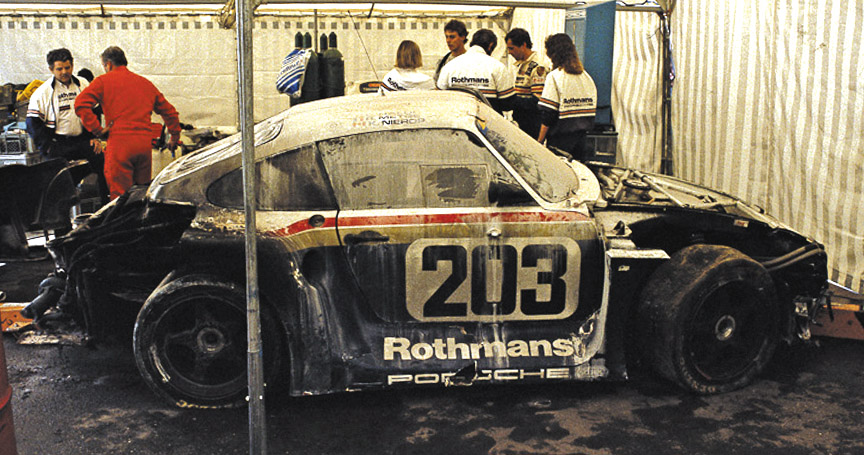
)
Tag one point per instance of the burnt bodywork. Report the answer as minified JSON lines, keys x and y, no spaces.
{"x":661,"y":212}
{"x":116,"y":258}
{"x":409,"y":241}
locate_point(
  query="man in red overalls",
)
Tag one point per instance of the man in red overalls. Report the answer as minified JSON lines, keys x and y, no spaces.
{"x":127,"y":101}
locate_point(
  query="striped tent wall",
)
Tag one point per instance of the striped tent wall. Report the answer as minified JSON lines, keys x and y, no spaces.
{"x":636,"y":92}
{"x":768,"y":106}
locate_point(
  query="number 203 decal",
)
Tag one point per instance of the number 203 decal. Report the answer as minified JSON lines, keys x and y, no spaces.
{"x":514,"y":279}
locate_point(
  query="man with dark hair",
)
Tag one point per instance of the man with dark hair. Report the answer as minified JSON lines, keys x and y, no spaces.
{"x":456,"y":35}
{"x":51,"y":122}
{"x":530,"y":71}
{"x":476,"y":68}
{"x":127,"y":101}
{"x":86,"y":74}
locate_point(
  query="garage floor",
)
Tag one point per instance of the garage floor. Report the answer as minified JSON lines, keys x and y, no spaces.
{"x":78,"y":400}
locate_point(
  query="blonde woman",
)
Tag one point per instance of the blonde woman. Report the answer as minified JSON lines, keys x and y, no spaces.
{"x":405,"y":75}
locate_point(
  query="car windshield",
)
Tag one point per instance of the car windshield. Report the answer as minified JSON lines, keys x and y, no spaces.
{"x":549,"y":175}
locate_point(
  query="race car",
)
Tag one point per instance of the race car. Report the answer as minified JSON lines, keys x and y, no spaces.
{"x":420,"y":238}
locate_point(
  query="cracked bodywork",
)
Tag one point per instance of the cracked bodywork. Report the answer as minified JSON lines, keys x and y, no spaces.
{"x":660,"y":212}
{"x":416,"y":239}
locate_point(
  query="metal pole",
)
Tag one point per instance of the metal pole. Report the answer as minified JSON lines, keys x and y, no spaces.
{"x":315,"y":37}
{"x":667,"y":165}
{"x":255,"y":359}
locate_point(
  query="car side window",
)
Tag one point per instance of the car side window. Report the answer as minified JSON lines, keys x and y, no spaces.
{"x":432,"y":168}
{"x":292,"y":180}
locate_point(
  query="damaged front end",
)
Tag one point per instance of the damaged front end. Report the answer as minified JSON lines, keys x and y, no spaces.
{"x":106,"y":268}
{"x":661,"y":212}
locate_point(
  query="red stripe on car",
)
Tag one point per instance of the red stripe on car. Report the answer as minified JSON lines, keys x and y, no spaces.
{"x":444,"y":218}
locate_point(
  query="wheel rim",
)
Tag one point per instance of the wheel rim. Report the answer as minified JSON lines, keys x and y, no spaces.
{"x":200,"y":348}
{"x":728,"y":332}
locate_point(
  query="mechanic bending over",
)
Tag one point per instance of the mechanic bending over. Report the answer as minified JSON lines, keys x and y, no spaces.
{"x":51,"y":122}
{"x":568,"y":103}
{"x":477,"y":69}
{"x":127,"y":100}
{"x":530,"y":69}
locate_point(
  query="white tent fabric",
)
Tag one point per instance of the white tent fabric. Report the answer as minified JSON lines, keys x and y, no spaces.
{"x":767,"y":106}
{"x":193,"y":61}
{"x":636,"y":91}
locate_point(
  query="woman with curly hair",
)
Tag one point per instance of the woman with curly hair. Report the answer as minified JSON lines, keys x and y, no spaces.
{"x":404,"y":76}
{"x":569,"y":100}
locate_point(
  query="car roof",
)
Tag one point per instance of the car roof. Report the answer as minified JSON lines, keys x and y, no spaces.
{"x":339,"y":117}
{"x":354,"y":114}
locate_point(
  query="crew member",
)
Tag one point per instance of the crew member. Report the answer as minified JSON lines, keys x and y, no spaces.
{"x":568,"y":103}
{"x":477,"y":69}
{"x":51,"y":121}
{"x":127,"y":101}
{"x":456,"y":35}
{"x":405,"y":75}
{"x":530,"y":74}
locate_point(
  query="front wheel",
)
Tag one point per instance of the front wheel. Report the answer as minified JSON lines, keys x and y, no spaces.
{"x":190,"y":342}
{"x":709,"y":319}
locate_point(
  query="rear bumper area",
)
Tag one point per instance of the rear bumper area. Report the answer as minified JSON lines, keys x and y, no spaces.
{"x":115,"y":259}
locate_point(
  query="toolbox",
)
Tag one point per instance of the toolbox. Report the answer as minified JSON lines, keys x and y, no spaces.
{"x":7,"y":94}
{"x":16,"y":147}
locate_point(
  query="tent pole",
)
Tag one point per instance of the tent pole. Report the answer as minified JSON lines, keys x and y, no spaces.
{"x":257,"y":422}
{"x":666,"y":162}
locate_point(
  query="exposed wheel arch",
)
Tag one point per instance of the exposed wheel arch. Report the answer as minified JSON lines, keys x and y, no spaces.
{"x":708,"y":319}
{"x":189,"y":342}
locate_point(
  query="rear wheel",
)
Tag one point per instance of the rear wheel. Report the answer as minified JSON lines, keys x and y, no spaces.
{"x":190,"y":342}
{"x":709,"y":319}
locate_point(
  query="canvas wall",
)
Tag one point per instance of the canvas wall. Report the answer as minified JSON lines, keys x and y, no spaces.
{"x":193,"y":61}
{"x":766,"y":105}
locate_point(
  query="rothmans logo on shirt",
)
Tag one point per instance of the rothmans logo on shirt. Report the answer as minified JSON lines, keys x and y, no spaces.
{"x":67,"y":96}
{"x":578,"y":100}
{"x":469,"y":80}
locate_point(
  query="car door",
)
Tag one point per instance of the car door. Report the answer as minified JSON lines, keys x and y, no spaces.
{"x":450,"y":279}
{"x":300,"y":264}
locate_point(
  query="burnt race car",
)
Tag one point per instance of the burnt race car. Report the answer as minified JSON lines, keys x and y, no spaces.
{"x":422,"y":239}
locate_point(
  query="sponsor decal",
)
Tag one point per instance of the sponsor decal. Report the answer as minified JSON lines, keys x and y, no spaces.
{"x":400,"y":348}
{"x":507,"y":374}
{"x":387,"y":119}
{"x":66,"y":96}
{"x":512,"y":279}
{"x":395,"y":84}
{"x":578,"y":100}
{"x":466,"y":80}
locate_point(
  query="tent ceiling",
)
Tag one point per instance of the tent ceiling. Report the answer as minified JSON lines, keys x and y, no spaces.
{"x":295,"y":4}
{"x":266,"y":7}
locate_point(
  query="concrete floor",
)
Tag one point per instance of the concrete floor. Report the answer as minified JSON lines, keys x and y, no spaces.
{"x":76,"y":400}
{"x":79,"y":400}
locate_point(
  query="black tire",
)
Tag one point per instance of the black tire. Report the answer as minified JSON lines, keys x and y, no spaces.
{"x":190,"y":343}
{"x":708,"y":319}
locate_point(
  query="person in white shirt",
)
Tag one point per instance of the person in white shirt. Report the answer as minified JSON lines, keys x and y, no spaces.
{"x":477,"y":69}
{"x":51,"y":121}
{"x":405,"y":75}
{"x":529,"y":69}
{"x":568,"y":103}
